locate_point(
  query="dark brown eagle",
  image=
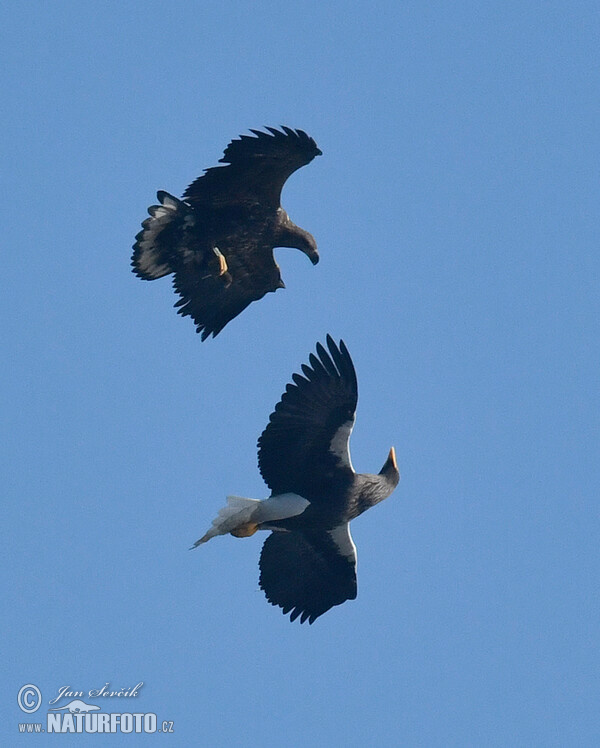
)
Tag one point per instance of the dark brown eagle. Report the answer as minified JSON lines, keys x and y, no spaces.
{"x":308,"y":562}
{"x":218,"y":240}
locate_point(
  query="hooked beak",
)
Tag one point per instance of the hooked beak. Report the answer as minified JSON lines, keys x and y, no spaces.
{"x":312,"y":255}
{"x":390,"y":468}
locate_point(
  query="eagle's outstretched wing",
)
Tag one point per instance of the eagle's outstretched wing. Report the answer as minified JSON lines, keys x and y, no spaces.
{"x":256,"y":169}
{"x":212,"y":301}
{"x":308,"y":572}
{"x":304,"y":448}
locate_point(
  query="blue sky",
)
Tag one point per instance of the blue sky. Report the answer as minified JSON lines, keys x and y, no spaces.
{"x":456,"y":211}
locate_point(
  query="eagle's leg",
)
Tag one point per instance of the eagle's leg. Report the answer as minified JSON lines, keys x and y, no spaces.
{"x":245,"y":530}
{"x":223,"y":266}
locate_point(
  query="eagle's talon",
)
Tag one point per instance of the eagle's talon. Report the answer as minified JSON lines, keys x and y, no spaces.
{"x":223,"y":266}
{"x":245,"y":531}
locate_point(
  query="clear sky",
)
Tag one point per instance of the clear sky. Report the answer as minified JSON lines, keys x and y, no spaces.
{"x":456,"y":212}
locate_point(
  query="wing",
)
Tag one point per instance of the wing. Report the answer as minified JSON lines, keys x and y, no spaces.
{"x":307,"y":573}
{"x":304,"y":448}
{"x":212,"y":301}
{"x":257,"y":168}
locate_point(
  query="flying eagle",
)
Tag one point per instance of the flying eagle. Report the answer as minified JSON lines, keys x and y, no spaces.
{"x":308,"y":562}
{"x":218,"y":240}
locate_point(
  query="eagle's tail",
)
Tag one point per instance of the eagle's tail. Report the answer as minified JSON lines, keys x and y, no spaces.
{"x":154,"y":251}
{"x":237,"y":513}
{"x":243,"y":517}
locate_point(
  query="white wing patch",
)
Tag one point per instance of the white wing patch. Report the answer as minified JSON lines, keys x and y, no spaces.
{"x":340,"y":444}
{"x":343,"y":541}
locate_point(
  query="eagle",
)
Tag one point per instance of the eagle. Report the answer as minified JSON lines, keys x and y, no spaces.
{"x":218,"y":240}
{"x":308,"y":562}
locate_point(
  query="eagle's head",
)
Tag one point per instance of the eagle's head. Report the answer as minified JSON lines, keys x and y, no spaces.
{"x":289,"y":235}
{"x":310,"y":248}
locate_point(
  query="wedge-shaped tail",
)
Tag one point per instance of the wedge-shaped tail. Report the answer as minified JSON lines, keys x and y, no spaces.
{"x":237,"y":512}
{"x":242,"y":517}
{"x":163,"y":232}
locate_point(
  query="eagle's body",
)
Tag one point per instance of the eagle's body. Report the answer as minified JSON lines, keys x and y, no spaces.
{"x":218,"y":240}
{"x":308,"y":563}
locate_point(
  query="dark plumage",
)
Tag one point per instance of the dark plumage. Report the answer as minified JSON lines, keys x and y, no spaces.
{"x":218,"y":240}
{"x":308,"y":563}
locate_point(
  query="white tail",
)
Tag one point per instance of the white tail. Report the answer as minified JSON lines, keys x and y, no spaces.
{"x":238,"y":511}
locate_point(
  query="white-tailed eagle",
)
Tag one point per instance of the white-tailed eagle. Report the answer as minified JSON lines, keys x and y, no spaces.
{"x":308,"y":562}
{"x":218,"y":240}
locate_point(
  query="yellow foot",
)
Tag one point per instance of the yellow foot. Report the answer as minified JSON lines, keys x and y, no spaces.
{"x":223,"y":267}
{"x":224,"y":273}
{"x":244,"y":531}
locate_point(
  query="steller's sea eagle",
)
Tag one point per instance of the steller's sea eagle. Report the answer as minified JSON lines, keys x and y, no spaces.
{"x":218,"y":240}
{"x":308,"y":562}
